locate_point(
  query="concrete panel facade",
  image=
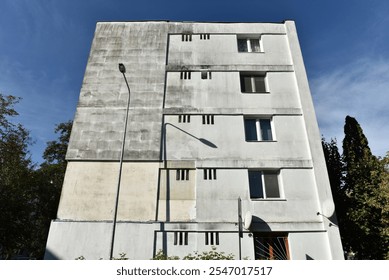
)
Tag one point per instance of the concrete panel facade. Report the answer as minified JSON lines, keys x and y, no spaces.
{"x":190,"y":155}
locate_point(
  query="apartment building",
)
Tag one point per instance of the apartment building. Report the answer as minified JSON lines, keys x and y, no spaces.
{"x":221,"y":147}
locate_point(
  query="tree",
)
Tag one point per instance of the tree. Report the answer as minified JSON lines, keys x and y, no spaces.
{"x":50,"y":178}
{"x":383,"y":202}
{"x":363,"y":203}
{"x":28,"y":197}
{"x":335,"y":171}
{"x":16,"y":171}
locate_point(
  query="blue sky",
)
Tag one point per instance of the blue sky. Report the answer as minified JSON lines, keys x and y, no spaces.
{"x":44,"y":47}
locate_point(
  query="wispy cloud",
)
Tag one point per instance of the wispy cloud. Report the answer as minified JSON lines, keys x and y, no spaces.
{"x":359,"y":89}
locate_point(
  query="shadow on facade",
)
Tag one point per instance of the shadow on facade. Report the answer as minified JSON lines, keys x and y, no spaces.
{"x":259,"y":225}
{"x":50,"y":256}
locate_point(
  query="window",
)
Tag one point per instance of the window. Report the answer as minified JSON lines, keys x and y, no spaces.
{"x":180,"y":238}
{"x":263,"y":184}
{"x":211,"y":238}
{"x":186,"y":37}
{"x":271,"y":246}
{"x":249,"y":45}
{"x":208,"y":119}
{"x":258,"y":129}
{"x":206,"y":75}
{"x":185,"y":75}
{"x":253,"y":83}
{"x":182,"y":174}
{"x":184,"y":118}
{"x":205,"y":36}
{"x":210,"y":174}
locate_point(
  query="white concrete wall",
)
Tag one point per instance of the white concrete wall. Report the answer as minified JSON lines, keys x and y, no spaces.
{"x":309,"y":246}
{"x":226,"y":141}
{"x":222,"y":49}
{"x":92,"y":240}
{"x":223,"y":91}
{"x":89,"y":191}
{"x":176,"y":199}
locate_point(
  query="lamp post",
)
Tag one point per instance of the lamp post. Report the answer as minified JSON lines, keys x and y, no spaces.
{"x":122,"y":70}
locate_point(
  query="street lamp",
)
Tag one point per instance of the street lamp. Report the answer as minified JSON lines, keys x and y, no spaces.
{"x":122,"y":70}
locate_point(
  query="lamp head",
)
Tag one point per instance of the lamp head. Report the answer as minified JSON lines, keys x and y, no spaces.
{"x":122,"y":68}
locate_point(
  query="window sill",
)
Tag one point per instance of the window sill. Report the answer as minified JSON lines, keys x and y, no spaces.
{"x":268,"y":199}
{"x":251,"y":52}
{"x":255,"y":92}
{"x":261,"y":141}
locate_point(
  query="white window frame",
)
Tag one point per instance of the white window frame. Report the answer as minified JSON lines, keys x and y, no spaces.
{"x":180,"y":238}
{"x":212,"y":238}
{"x":263,"y":184}
{"x":252,"y":77}
{"x":259,"y":129}
{"x":182,"y":174}
{"x":248,"y":44}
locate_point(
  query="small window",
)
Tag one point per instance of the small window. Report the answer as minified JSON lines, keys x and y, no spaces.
{"x":180,"y":238}
{"x":205,"y":36}
{"x":211,"y":238}
{"x":271,"y":246}
{"x":184,"y":118}
{"x":186,"y":37}
{"x":263,"y":184}
{"x":208,"y":119}
{"x":185,"y":75}
{"x":206,"y":75}
{"x":210,"y":174}
{"x":251,"y":45}
{"x":258,"y":129}
{"x":182,"y":174}
{"x":253,"y":83}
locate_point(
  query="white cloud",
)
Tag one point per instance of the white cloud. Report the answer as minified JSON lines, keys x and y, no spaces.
{"x":361,"y":90}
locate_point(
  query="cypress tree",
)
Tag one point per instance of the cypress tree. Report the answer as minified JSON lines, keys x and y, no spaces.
{"x":361,"y":184}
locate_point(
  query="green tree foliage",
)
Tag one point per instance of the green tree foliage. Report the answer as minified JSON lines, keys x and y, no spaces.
{"x":49,"y":179}
{"x":384,"y":202}
{"x":363,"y":207}
{"x":359,"y":183}
{"x":16,"y":188}
{"x":29,"y":196}
{"x":335,"y":173}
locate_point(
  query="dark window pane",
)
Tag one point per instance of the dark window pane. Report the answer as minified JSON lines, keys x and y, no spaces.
{"x":266,"y":130}
{"x":271,"y":185}
{"x":255,"y":183}
{"x":242,"y":45}
{"x":259,"y":84}
{"x":250,"y":129}
{"x":270,"y":247}
{"x":204,"y":75}
{"x":247,"y":84}
{"x":255,"y":45}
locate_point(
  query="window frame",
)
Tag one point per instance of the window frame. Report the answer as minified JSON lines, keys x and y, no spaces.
{"x":263,"y":184}
{"x":248,"y":43}
{"x":243,"y":76}
{"x":259,"y":129}
{"x":182,"y":174}
{"x":269,"y":249}
{"x":209,"y":174}
{"x":180,"y":238}
{"x":211,"y":238}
